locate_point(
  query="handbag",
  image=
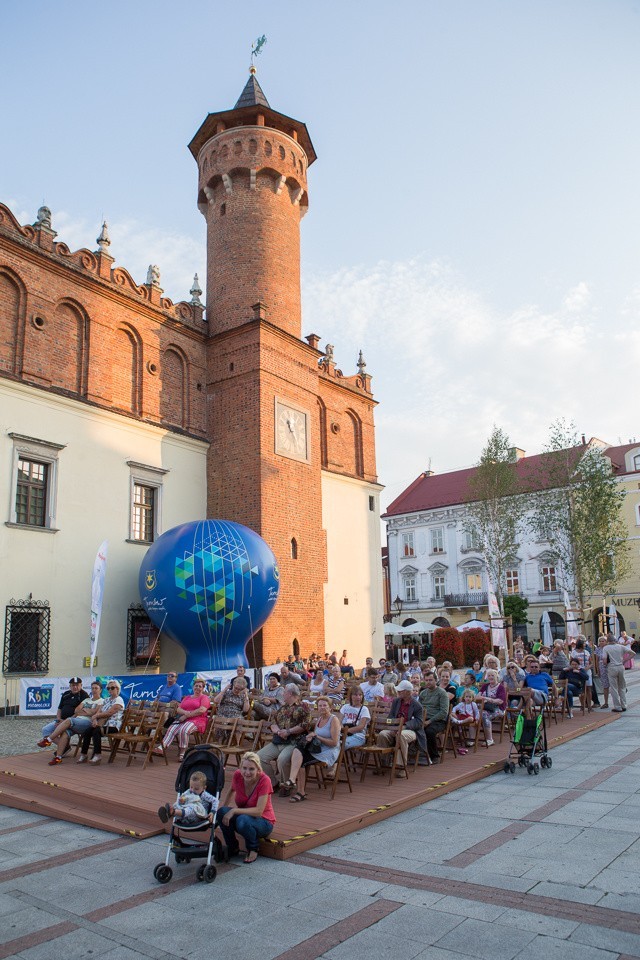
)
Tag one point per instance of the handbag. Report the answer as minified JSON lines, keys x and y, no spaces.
{"x":315,"y":746}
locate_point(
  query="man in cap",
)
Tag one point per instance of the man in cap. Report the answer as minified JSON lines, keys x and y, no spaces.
{"x":406,"y":706}
{"x":69,"y":700}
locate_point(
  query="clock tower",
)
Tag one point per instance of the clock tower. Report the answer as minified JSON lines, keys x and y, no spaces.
{"x":267,"y":409}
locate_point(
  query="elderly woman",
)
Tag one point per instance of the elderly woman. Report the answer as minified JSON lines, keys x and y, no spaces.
{"x":327,"y":732}
{"x":233,"y":701}
{"x":191,"y":717}
{"x":316,"y":687}
{"x":80,"y":722}
{"x":494,"y":695}
{"x":251,"y":815}
{"x":334,"y":685}
{"x":106,"y":719}
{"x":355,"y":717}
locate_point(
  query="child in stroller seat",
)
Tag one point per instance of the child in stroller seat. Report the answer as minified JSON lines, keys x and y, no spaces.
{"x":194,"y":805}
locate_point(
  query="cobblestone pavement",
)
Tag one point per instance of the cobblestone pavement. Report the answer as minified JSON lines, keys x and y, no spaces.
{"x":526,"y":867}
{"x":20,"y":734}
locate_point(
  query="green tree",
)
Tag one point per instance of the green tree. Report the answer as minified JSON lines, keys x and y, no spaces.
{"x":578,"y":511}
{"x":516,"y":607}
{"x":495,"y":512}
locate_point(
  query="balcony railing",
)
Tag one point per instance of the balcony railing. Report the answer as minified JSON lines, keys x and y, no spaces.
{"x":476,"y":599}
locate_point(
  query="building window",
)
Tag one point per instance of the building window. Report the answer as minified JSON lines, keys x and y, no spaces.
{"x":34,"y":482}
{"x":409,"y":588}
{"x":26,"y":637}
{"x":637,"y":514}
{"x":143,"y":644}
{"x":512,"y":581}
{"x":548,"y":579}
{"x":470,"y":541}
{"x":146,"y":502}
{"x":294,"y":548}
{"x":474,"y":582}
{"x":408,"y":549}
{"x":438,"y":588}
{"x":372,"y":503}
{"x":437,"y":540}
{"x":144,"y":513}
{"x":636,"y":462}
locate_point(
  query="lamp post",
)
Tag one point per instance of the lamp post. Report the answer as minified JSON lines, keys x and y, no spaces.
{"x":397,"y":606}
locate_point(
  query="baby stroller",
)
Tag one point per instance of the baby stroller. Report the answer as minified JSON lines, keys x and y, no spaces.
{"x":529,"y":745}
{"x":209,"y":760}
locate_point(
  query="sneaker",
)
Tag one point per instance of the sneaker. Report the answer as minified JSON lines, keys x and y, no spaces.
{"x":570,"y":714}
{"x":55,"y":759}
{"x":462,"y":751}
{"x":489,"y":743}
{"x":164,"y":812}
{"x":45,"y":742}
{"x":82,"y":758}
{"x":97,"y":759}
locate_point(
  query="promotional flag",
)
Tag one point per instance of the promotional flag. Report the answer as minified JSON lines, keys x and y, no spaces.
{"x":97,"y":592}
{"x":498,"y":632}
{"x":571,"y":618}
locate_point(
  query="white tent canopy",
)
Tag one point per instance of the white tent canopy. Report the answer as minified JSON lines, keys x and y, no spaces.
{"x":392,"y":630}
{"x":471,"y":624}
{"x":418,"y":627}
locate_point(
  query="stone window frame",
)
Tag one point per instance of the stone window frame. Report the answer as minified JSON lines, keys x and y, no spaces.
{"x":145,"y":475}
{"x":36,"y":451}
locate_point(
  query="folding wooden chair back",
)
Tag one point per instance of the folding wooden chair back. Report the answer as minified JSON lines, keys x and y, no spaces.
{"x":446,"y":741}
{"x":220,"y":731}
{"x":141,"y":735}
{"x":246,"y":736}
{"x":557,"y":702}
{"x":378,"y":751}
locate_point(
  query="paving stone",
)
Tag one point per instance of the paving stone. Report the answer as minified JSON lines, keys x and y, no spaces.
{"x":24,"y":921}
{"x":334,"y":904}
{"x":481,"y":938}
{"x":551,"y":948}
{"x":423,"y":926}
{"x":566,"y":891}
{"x":543,"y":924}
{"x":74,"y":946}
{"x":469,"y":908}
{"x":374,"y":945}
{"x":607,"y":939}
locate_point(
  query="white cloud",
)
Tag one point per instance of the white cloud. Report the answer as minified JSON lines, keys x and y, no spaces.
{"x":447,"y":365}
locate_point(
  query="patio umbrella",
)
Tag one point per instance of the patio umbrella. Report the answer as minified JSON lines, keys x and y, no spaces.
{"x":571,"y":618}
{"x":547,"y":636}
{"x":470,"y":624}
{"x":614,"y":623}
{"x":392,"y":630}
{"x":418,"y":627}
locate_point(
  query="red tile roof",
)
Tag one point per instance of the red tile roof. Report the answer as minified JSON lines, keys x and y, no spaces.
{"x":448,"y":489}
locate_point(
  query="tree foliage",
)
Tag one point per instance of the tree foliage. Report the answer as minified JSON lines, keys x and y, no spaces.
{"x":579,"y":513}
{"x":496,"y":510}
{"x":516,"y":607}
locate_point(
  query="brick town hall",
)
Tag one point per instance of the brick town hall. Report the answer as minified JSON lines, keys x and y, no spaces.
{"x":123,"y":414}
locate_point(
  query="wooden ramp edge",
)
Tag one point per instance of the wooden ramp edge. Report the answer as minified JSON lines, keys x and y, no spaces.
{"x":124,"y":800}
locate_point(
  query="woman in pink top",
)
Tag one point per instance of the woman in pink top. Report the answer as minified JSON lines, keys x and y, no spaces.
{"x":191,"y":717}
{"x":251,"y":816}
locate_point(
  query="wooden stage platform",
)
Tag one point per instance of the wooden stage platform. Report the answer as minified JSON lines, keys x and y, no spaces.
{"x":125,"y":800}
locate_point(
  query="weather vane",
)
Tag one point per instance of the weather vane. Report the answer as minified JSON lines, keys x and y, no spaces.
{"x":256,"y":48}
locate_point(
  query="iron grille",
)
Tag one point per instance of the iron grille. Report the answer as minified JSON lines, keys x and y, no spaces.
{"x":143,"y":638}
{"x":26,"y":636}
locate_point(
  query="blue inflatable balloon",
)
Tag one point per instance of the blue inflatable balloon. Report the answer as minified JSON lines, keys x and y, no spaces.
{"x":210,"y":585}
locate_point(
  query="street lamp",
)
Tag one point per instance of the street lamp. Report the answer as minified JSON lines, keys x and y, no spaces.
{"x":397,"y":606}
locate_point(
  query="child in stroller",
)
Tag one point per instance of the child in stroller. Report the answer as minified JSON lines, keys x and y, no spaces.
{"x":194,"y":805}
{"x":198,"y":784}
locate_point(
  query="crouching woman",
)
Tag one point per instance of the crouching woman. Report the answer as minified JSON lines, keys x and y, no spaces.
{"x":251,"y":816}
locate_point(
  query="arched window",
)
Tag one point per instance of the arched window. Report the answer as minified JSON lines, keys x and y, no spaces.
{"x":294,"y":548}
{"x":296,"y":648}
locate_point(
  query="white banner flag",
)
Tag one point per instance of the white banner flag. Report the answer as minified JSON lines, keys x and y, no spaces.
{"x":572,"y":619}
{"x":97,"y":592}
{"x":498,"y":632}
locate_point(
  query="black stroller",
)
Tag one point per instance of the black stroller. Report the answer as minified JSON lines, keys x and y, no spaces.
{"x":210,"y":761}
{"x":529,"y":745}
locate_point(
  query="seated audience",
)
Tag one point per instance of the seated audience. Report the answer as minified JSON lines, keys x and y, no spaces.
{"x":435,"y":704}
{"x":406,"y":706}
{"x":233,"y":701}
{"x":316,"y":687}
{"x":345,"y":666}
{"x":464,"y":716}
{"x":372,"y":689}
{"x":468,"y":682}
{"x":266,"y":704}
{"x":355,"y":719}
{"x":288,"y":676}
{"x":291,"y":722}
{"x":334,"y":685}
{"x":576,"y":677}
{"x":364,"y":673}
{"x":106,"y":719}
{"x":327,"y":733}
{"x":494,"y":695}
{"x":171,"y":691}
{"x":191,"y":718}
{"x":444,"y":681}
{"x":538,"y":682}
{"x":80,"y":722}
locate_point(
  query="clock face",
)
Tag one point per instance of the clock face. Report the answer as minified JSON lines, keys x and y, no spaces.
{"x":291,"y":432}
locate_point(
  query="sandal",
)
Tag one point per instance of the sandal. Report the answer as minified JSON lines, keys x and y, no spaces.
{"x":297,"y":797}
{"x":251,"y":857}
{"x":286,"y":788}
{"x":180,"y":757}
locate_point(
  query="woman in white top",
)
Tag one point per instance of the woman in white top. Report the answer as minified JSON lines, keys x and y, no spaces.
{"x":107,"y":719}
{"x":80,"y":722}
{"x":316,"y":687}
{"x":355,"y":718}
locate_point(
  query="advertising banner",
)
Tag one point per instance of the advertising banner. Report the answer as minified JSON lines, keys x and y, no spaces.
{"x":97,"y":593}
{"x":41,"y":696}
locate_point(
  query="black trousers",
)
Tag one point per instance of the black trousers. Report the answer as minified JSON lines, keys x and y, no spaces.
{"x":95,"y":736}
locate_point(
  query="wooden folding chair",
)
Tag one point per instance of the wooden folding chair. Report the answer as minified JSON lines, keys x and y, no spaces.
{"x":446,"y":741}
{"x":557,"y":701}
{"x":141,"y":735}
{"x":246,"y":736}
{"x":378,"y":752}
{"x":220,"y":731}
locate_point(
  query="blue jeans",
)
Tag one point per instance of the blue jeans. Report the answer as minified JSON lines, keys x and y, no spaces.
{"x":251,"y":829}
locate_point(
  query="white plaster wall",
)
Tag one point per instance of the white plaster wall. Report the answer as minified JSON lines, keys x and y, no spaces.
{"x":93,"y":504}
{"x":354,"y":568}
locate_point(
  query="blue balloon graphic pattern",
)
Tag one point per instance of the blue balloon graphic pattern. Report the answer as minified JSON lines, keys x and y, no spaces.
{"x":210,"y":585}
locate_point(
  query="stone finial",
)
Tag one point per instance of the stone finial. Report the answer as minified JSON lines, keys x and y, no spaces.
{"x":153,"y":275}
{"x":43,"y":217}
{"x":103,"y":240}
{"x":196,"y":292}
{"x":361,"y":364}
{"x":328,"y":354}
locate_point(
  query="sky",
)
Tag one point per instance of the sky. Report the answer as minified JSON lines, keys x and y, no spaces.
{"x":474,"y":210}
